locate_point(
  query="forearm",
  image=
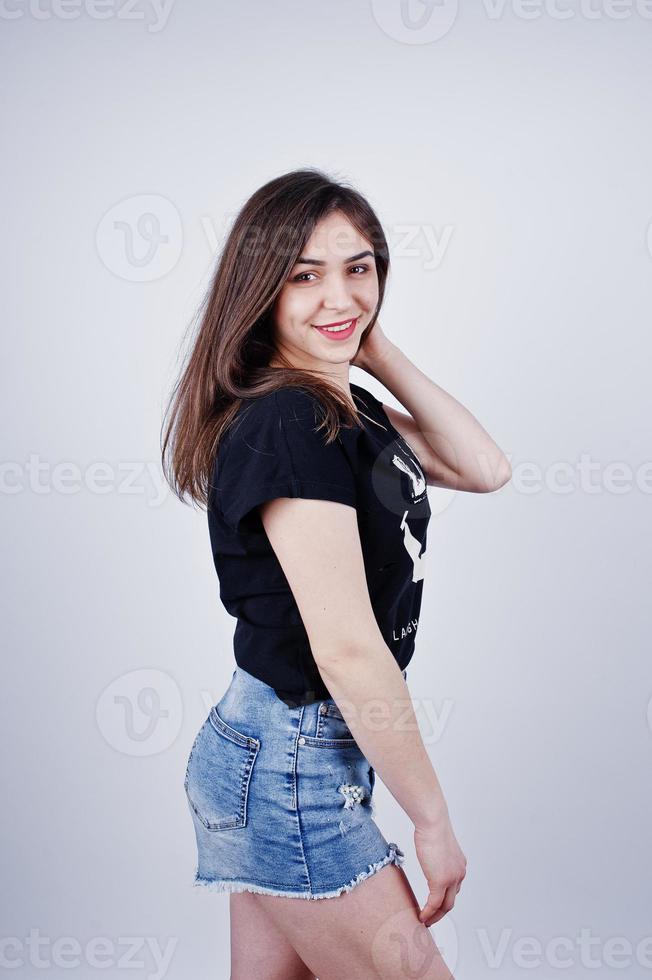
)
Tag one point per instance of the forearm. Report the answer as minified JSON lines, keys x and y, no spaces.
{"x":453,"y":433}
{"x":370,"y":691}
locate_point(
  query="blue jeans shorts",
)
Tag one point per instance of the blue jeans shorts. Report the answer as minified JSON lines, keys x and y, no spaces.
{"x":281,"y":798}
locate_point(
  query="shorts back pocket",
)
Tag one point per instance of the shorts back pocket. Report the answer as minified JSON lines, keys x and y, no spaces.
{"x":218,"y":774}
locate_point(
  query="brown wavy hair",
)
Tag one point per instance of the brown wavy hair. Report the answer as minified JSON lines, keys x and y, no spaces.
{"x":230,"y":355}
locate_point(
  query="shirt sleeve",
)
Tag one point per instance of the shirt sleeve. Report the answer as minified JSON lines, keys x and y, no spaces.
{"x":274,"y":451}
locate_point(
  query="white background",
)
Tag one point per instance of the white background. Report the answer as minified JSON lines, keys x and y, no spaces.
{"x":517,"y":137}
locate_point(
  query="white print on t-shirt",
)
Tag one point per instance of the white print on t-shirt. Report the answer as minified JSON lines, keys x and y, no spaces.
{"x":417,"y":479}
{"x":412,"y":546}
{"x":404,"y":631}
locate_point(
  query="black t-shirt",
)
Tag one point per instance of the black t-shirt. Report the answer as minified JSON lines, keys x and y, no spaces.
{"x":271,"y":450}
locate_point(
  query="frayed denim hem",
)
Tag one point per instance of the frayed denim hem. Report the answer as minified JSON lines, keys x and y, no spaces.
{"x":394,"y":856}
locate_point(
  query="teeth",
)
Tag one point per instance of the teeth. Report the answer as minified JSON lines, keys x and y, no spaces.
{"x":337,"y":329}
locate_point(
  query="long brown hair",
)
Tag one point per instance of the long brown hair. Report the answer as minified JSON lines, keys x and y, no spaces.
{"x":230,"y":355}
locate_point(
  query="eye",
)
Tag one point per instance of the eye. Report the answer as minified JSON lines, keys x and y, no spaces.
{"x":300,"y":276}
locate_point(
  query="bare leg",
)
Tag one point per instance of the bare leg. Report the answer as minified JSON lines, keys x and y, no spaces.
{"x":259,"y":949}
{"x":370,"y":933}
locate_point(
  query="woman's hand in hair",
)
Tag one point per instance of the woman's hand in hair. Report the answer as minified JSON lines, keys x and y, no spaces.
{"x":375,"y":347}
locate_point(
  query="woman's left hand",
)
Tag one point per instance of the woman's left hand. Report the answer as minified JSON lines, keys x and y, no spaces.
{"x":376,"y":346}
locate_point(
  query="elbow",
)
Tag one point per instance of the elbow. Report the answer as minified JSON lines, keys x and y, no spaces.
{"x":500,"y":475}
{"x":331,"y":659}
{"x":335,"y":658}
{"x":503,"y":475}
{"x":335,"y":643}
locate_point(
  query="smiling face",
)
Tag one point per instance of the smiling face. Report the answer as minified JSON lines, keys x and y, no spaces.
{"x":334,"y":283}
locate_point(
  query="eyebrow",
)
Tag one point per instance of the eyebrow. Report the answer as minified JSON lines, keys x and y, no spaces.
{"x":304,"y":261}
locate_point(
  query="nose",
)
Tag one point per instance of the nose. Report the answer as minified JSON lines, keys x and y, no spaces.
{"x":338,"y":298}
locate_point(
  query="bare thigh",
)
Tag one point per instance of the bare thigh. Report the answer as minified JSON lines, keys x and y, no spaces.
{"x":259,"y":949}
{"x":370,"y":933}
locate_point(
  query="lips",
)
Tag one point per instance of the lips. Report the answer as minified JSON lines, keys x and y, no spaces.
{"x":338,"y":323}
{"x":342,"y":332}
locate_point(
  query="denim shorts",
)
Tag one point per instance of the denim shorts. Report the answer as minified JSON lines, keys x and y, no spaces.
{"x":281,"y":797}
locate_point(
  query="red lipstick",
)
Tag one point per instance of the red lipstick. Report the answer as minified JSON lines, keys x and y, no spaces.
{"x":343,"y":333}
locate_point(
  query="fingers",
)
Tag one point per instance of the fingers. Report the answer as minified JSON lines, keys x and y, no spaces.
{"x":432,"y":905}
{"x":439,"y":904}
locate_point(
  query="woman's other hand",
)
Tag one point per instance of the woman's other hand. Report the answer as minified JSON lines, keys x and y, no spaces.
{"x":444,"y":867}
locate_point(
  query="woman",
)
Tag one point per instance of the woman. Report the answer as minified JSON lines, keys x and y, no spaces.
{"x":317,"y":511}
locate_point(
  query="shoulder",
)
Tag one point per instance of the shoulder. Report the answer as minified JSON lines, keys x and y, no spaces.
{"x":289,"y":402}
{"x":275,"y":448}
{"x":292,"y":399}
{"x":280,"y":400}
{"x":264,"y":422}
{"x":285,"y":400}
{"x":270,"y":412}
